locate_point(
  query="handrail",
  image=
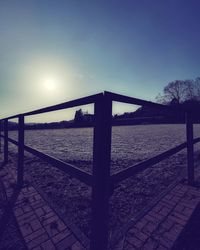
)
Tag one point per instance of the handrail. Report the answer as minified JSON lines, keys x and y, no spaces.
{"x":65,"y":105}
{"x":140,"y":102}
{"x":135,"y":169}
{"x":66,"y":167}
{"x":92,"y":99}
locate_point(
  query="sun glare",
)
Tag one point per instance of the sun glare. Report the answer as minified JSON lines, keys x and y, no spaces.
{"x":50,"y":84}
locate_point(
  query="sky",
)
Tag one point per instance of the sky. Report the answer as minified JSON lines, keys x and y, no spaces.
{"x":53,"y":51}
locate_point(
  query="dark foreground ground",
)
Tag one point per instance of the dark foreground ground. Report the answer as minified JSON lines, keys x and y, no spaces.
{"x":190,"y":237}
{"x":129,"y":198}
{"x":10,"y":236}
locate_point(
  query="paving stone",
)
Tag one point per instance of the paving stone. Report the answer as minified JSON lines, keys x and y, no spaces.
{"x":52,"y":219}
{"x":140,"y":224}
{"x":37,"y":248}
{"x":149,"y":228}
{"x":34,"y":235}
{"x":177,"y":220}
{"x":156,"y":216}
{"x":46,"y":216}
{"x":138,"y":233}
{"x":40,"y":212}
{"x":188,"y":204}
{"x":27,"y":209}
{"x":167,"y":224}
{"x":166,"y":243}
{"x":170,"y":236}
{"x":180,"y":216}
{"x":151,"y":218}
{"x":37,"y":241}
{"x":38,"y":204}
{"x":157,"y":208}
{"x":37,"y":197}
{"x":165,"y":211}
{"x":151,"y":244}
{"x":179,"y":208}
{"x":35,"y":225}
{"x":135,"y":241}
{"x":67,"y":242}
{"x":187,"y":211}
{"x":77,"y":246}
{"x":47,"y":209}
{"x":128,"y":246}
{"x":160,"y":247}
{"x":61,"y":235}
{"x":51,"y":230}
{"x":18,"y":211}
{"x":48,"y":245}
{"x":26,"y":230}
{"x":26,"y":218}
{"x":176,"y":229}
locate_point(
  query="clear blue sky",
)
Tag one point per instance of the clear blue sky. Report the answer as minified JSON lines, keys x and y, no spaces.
{"x":56,"y":50}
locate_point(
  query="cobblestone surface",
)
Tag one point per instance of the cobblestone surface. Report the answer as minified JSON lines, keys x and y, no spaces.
{"x":161,"y":226}
{"x":39,"y":224}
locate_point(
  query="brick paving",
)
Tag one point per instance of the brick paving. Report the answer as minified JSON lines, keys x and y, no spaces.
{"x":40,"y":226}
{"x":161,"y":226}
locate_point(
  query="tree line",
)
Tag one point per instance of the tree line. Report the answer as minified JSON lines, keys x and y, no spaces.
{"x":180,"y":91}
{"x":185,"y":93}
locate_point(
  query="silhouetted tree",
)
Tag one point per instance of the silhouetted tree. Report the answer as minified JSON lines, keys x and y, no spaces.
{"x":197,"y":88}
{"x":78,"y":118}
{"x":180,"y":91}
{"x":175,"y":91}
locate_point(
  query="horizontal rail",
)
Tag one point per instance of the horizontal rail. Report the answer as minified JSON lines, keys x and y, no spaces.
{"x":136,"y":101}
{"x":113,"y":97}
{"x":66,"y":167}
{"x":115,"y":178}
{"x":131,"y":171}
{"x":65,"y":105}
{"x":92,"y":99}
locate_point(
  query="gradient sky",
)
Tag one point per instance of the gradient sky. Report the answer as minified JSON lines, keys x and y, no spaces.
{"x":56,"y":50}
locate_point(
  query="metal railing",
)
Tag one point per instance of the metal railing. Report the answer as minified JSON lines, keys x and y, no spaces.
{"x":101,"y":181}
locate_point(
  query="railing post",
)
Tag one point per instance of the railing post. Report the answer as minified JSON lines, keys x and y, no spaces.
{"x":20,"y":170}
{"x":101,"y":173}
{"x":5,"y":141}
{"x":0,"y":134}
{"x":190,"y":148}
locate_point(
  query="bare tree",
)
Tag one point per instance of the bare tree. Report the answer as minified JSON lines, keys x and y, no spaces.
{"x":197,"y":88}
{"x":175,"y":91}
{"x":190,"y":90}
{"x":180,"y":91}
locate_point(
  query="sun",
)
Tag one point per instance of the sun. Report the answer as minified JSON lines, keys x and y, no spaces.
{"x":49,"y":83}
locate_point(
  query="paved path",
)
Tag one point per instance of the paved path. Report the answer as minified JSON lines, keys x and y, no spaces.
{"x":39,"y":224}
{"x":162,"y":225}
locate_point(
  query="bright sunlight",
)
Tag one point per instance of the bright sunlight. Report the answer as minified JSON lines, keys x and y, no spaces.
{"x":50,"y":83}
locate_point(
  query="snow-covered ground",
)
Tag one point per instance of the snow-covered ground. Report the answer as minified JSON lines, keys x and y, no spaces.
{"x":130,"y":144}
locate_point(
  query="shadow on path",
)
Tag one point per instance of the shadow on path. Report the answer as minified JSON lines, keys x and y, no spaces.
{"x":8,"y":210}
{"x":190,"y":237}
{"x":10,"y":235}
